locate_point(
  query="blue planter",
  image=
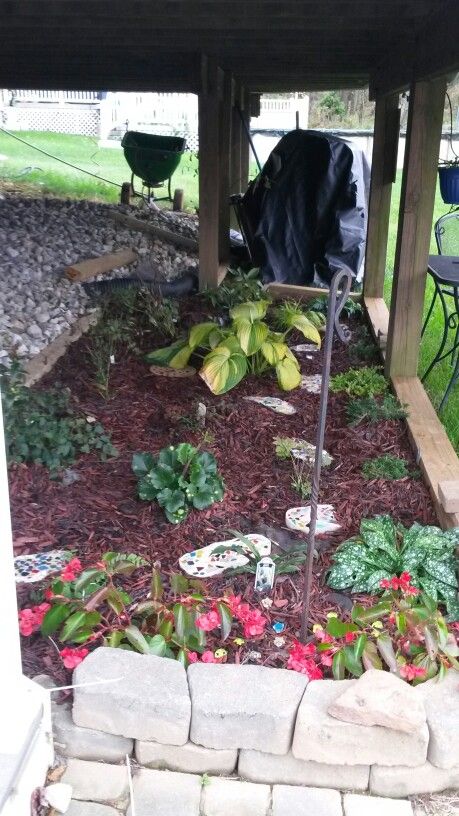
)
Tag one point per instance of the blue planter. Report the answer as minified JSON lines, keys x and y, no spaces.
{"x":449,"y":184}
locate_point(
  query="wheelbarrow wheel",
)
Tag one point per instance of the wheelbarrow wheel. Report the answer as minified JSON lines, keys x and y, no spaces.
{"x":126,"y":189}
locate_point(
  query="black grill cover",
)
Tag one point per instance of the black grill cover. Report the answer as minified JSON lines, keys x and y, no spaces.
{"x":307,"y":209}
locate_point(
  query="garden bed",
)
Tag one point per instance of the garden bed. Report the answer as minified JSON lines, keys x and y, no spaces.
{"x":100,"y":511}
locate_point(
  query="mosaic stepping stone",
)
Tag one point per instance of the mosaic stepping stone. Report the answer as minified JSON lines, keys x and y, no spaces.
{"x":305,"y":451}
{"x":305,"y":348}
{"x":36,"y":567}
{"x":278,"y":405}
{"x":312,"y":383}
{"x":205,"y":563}
{"x":298,"y":518}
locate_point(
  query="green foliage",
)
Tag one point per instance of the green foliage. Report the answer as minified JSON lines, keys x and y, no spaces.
{"x":285,"y":562}
{"x":284,"y":445}
{"x":369,"y":409}
{"x":332,"y":104}
{"x":42,"y":428}
{"x":238,"y":287}
{"x":178,"y":478}
{"x":404,"y":634}
{"x":246,"y":346}
{"x":362,"y":347}
{"x":320,"y":304}
{"x":385,"y":467}
{"x":360,"y":382}
{"x":384,"y":548}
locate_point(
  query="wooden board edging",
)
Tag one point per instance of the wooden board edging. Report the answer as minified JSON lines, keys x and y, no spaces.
{"x":288,"y":290}
{"x":98,"y":266}
{"x":129,"y":222}
{"x":44,"y":361}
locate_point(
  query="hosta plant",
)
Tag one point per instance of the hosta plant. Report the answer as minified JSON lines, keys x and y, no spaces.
{"x":360,"y":382}
{"x":404,"y":633}
{"x":179,"y":478}
{"x":89,"y":607}
{"x":248,"y":345}
{"x":384,"y":548}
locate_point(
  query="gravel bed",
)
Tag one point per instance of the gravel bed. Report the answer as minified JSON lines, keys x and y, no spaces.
{"x":39,"y":237}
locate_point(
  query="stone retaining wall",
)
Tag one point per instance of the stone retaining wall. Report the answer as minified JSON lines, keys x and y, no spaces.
{"x":269,"y":726}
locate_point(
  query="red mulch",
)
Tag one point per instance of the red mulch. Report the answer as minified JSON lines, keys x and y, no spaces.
{"x":100,"y":512}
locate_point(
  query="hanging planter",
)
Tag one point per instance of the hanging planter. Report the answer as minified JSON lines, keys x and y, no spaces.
{"x":449,"y":182}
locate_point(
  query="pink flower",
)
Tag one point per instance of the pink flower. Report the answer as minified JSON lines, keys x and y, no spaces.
{"x":385,"y":584}
{"x":208,"y":621}
{"x":326,"y":659}
{"x":300,"y":660}
{"x":71,"y":658}
{"x":349,"y":637}
{"x":253,"y":623}
{"x":71,"y":570}
{"x":234,"y":602}
{"x":49,"y":595}
{"x":208,"y":657}
{"x":192,"y":657}
{"x":31,"y":619}
{"x":403,"y":584}
{"x":410,"y":672}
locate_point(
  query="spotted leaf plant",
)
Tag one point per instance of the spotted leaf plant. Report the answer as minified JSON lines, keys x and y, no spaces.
{"x":384,"y":548}
{"x":247,"y":346}
{"x":181,"y":477}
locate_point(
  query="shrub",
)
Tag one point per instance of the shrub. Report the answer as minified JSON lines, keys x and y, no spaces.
{"x":42,"y":428}
{"x":247,"y":346}
{"x":179,"y":478}
{"x":238,"y":287}
{"x":385,"y":467}
{"x":384,"y":548}
{"x":370,"y":409}
{"x":360,"y":382}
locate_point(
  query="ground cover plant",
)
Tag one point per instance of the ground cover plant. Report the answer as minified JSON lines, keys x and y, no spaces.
{"x":371,"y":409}
{"x":384,"y":548}
{"x":360,"y":382}
{"x":385,"y":467}
{"x":248,"y":345}
{"x":42,"y":427}
{"x":238,"y":287}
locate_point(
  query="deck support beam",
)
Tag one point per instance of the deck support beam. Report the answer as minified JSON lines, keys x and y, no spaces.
{"x":425,"y":119}
{"x":383,"y":170}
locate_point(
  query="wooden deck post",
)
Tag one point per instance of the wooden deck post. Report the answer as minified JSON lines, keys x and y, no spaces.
{"x":226,"y":107}
{"x":245,"y":147}
{"x":425,"y":119}
{"x":209,"y":173}
{"x":383,"y":170}
{"x":236,"y":142}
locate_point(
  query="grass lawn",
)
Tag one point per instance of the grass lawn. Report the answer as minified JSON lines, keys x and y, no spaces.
{"x":26,"y":169}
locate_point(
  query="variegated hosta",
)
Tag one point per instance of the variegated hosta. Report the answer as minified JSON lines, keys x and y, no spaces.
{"x":384,"y":548}
{"x":247,"y":346}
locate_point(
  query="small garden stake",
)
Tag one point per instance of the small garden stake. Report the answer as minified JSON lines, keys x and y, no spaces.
{"x":336,"y":301}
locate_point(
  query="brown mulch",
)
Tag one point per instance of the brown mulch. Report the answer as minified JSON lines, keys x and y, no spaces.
{"x":100,"y":512}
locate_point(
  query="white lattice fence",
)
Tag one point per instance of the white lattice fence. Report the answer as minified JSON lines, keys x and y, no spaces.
{"x":81,"y":121}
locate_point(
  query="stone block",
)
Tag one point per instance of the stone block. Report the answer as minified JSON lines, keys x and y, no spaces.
{"x":96,"y":782}
{"x":227,"y":797}
{"x":189,"y":758}
{"x":161,"y":793}
{"x":147,"y":700}
{"x":380,"y":698}
{"x":441,"y":700}
{"x":358,"y":805}
{"x":319,"y":737}
{"x":86,"y":743}
{"x":244,"y":706}
{"x":289,"y":801}
{"x":91,"y":809}
{"x":404,"y":781}
{"x":286,"y":770}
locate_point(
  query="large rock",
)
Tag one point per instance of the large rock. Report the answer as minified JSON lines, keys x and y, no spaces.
{"x":145,"y":697}
{"x":244,"y":706}
{"x":189,"y":758}
{"x":286,"y":770}
{"x":356,"y":805}
{"x":319,"y":737}
{"x":441,"y":700}
{"x":402,"y":781}
{"x":97,"y":782}
{"x":160,"y":793}
{"x":380,"y":698}
{"x":228,"y":797}
{"x":289,"y":801}
{"x":86,"y":743}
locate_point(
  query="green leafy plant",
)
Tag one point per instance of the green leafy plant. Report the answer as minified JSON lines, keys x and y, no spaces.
{"x":404,"y":633}
{"x":385,"y":467}
{"x":179,"y":478}
{"x":351,"y":307}
{"x":285,"y":562}
{"x":238,"y":287}
{"x":370,"y":409}
{"x":384,"y":548}
{"x":362,"y":346}
{"x":284,"y":445}
{"x":42,"y":428}
{"x":246,"y":346}
{"x":360,"y":382}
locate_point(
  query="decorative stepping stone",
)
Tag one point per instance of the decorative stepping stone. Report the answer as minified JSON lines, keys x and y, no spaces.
{"x":167,"y":371}
{"x":305,"y":451}
{"x":298,"y":518}
{"x":312,"y":383}
{"x":36,"y":567}
{"x":205,"y":563}
{"x":278,"y":405}
{"x":305,"y":348}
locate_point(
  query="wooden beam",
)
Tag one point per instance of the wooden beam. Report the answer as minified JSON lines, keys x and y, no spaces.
{"x":425,"y":117}
{"x":235,"y":158}
{"x":98,"y":266}
{"x":209,"y":173}
{"x":378,"y":317}
{"x":281,"y":291}
{"x":138,"y":225}
{"x":383,"y":169}
{"x":245,"y":146}
{"x":226,"y":107}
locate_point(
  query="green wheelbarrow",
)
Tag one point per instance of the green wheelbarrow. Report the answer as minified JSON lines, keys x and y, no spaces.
{"x":153,"y":159}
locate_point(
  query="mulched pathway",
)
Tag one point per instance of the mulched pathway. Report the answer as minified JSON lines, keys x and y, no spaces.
{"x":100,"y":512}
